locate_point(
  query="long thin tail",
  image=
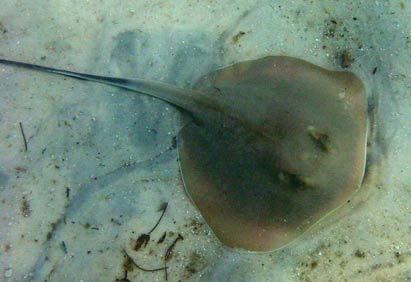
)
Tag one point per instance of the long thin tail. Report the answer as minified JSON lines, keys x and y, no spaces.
{"x":77,"y":75}
{"x":186,"y":99}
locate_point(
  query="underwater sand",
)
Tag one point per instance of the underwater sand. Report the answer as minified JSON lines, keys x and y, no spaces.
{"x":100,"y":161}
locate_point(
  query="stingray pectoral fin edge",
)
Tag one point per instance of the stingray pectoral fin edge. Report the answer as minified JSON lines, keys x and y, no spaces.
{"x":273,"y":170}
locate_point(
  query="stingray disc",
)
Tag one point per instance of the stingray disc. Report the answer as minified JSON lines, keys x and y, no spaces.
{"x":284,"y":147}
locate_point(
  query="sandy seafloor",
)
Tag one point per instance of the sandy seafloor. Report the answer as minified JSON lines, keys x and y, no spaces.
{"x":99,"y":163}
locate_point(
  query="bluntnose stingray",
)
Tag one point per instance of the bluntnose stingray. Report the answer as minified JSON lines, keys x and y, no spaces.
{"x":274,"y":145}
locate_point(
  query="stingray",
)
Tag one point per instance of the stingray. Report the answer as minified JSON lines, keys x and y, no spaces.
{"x":272,"y":146}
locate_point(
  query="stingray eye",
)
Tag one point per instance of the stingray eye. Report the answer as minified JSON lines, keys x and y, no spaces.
{"x":320,"y":139}
{"x":260,"y":185}
{"x":295,"y":181}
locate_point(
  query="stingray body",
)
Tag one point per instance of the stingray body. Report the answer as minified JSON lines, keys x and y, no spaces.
{"x":275,"y":144}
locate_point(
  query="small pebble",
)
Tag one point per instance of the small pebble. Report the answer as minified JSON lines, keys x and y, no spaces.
{"x":8,"y":273}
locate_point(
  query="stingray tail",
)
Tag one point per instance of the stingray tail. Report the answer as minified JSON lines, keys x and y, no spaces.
{"x":183,"y":98}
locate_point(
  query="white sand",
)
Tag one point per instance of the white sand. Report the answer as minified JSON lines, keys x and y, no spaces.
{"x":77,"y":131}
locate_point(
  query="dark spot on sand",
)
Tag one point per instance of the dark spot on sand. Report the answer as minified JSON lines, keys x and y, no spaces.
{"x":25,"y":207}
{"x":359,"y":254}
{"x":346,"y":59}
{"x":3,"y":30}
{"x":238,"y":36}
